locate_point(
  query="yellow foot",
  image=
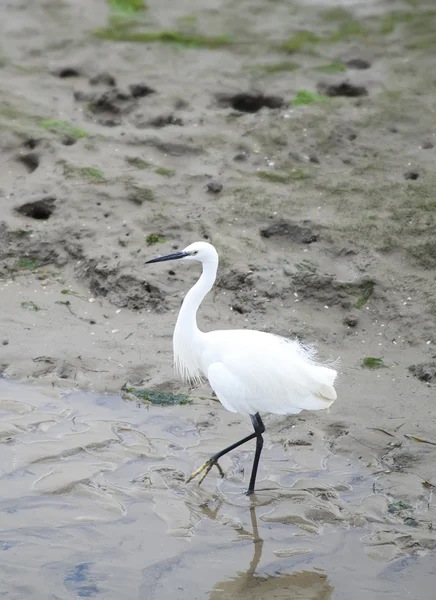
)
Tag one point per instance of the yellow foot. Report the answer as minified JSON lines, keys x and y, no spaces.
{"x":206,"y":467}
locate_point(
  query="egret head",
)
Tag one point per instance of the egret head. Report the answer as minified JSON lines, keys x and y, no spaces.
{"x":201,"y":251}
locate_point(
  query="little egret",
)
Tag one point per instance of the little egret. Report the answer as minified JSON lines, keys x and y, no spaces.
{"x":251,"y":372}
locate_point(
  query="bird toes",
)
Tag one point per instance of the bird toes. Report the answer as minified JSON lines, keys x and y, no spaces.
{"x":206,"y":468}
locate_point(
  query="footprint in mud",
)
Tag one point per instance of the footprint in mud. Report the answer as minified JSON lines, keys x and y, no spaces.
{"x":41,"y":209}
{"x":30,"y":160}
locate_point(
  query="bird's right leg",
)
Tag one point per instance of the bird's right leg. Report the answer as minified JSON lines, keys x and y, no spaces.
{"x":213,"y":460}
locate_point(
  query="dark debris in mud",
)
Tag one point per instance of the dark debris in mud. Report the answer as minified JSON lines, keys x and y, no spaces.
{"x":140,"y":90}
{"x":215,"y":187}
{"x":345,"y":88}
{"x":103,"y":78}
{"x":358,"y":63}
{"x":67,"y":72}
{"x":300,"y":234}
{"x":162,"y":121}
{"x":425,"y":372}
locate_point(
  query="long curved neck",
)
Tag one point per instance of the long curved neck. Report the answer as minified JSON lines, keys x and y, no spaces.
{"x":186,"y":325}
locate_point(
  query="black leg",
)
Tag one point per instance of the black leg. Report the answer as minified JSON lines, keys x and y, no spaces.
{"x":213,"y":460}
{"x":259,"y":428}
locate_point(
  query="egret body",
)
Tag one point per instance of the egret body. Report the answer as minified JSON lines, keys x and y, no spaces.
{"x":251,"y":372}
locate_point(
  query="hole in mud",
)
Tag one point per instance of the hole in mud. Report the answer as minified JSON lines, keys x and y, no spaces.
{"x":68,"y":141}
{"x":251,"y":103}
{"x":65,"y":72}
{"x":412,"y":175}
{"x":40,"y":210}
{"x":344,"y":88}
{"x":30,"y":161}
{"x":31,"y":143}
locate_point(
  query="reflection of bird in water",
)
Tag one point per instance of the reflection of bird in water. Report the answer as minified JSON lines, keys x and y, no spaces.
{"x":247,"y":585}
{"x":251,"y":372}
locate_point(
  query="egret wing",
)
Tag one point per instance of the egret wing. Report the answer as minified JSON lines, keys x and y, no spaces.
{"x":267,"y":373}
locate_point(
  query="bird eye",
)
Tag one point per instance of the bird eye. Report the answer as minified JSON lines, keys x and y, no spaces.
{"x":194,"y":252}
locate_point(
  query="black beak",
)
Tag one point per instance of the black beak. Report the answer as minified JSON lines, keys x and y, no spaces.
{"x":173,"y":256}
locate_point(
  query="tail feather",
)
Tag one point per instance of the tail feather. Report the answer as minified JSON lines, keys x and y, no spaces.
{"x":328,"y":392}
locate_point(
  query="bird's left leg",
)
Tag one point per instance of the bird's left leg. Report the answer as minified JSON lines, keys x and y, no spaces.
{"x":259,"y":428}
{"x":213,"y":460}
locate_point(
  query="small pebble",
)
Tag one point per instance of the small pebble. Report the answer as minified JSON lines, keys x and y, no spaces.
{"x":413,"y":175}
{"x":5,"y":342}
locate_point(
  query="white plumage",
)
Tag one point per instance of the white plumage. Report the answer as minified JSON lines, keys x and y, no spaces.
{"x":250,"y":371}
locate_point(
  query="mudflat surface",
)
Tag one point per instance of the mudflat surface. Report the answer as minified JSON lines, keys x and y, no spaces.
{"x":298,"y":139}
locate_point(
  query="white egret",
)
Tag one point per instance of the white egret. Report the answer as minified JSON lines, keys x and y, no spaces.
{"x":251,"y":372}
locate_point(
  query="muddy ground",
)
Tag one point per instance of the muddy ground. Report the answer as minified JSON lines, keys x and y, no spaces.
{"x":300,"y":140}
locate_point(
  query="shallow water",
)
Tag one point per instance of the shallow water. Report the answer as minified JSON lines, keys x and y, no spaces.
{"x":93,"y":504}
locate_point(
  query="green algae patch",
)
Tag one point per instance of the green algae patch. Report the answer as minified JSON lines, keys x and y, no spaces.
{"x":62,"y":128}
{"x":138,"y":163}
{"x":165,"y":172}
{"x":299,"y":41}
{"x":28,"y":264}
{"x":333,"y":67}
{"x":92,"y":174}
{"x":304,"y":97}
{"x":348,"y":30}
{"x":158,"y":398}
{"x":280,"y":67}
{"x":399,"y":505}
{"x":372,"y":362}
{"x":336,"y":13}
{"x":29,"y":305}
{"x":127,"y":7}
{"x":155,"y":238}
{"x":123,"y":34}
{"x":366,"y":295}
